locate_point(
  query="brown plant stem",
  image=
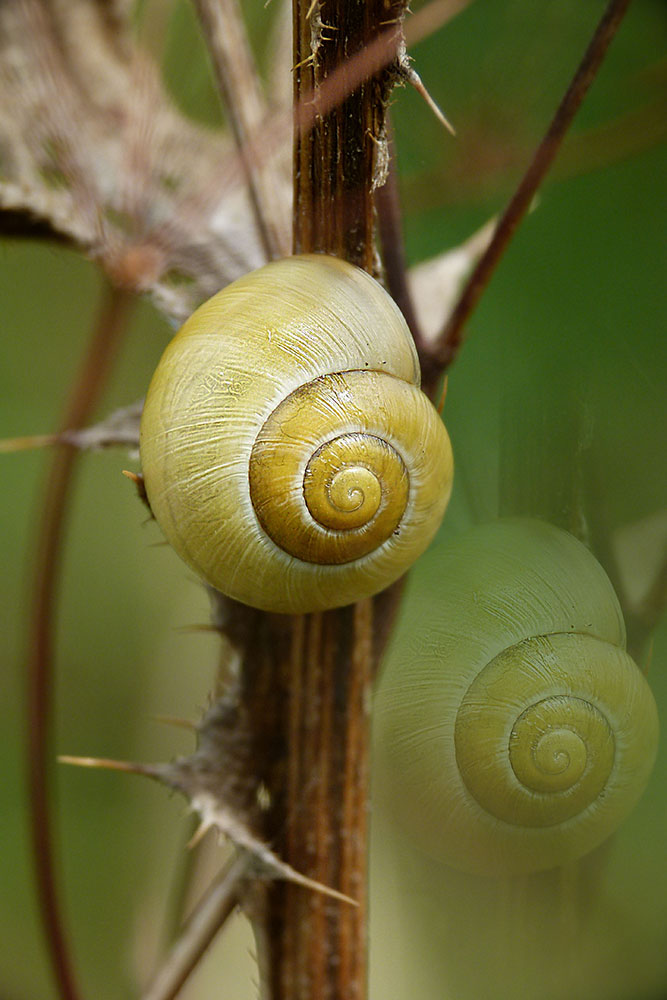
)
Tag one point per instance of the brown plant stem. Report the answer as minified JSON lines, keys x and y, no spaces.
{"x":340,"y":145}
{"x":306,"y":683}
{"x":307,"y":692}
{"x":449,"y":343}
{"x":84,"y":395}
{"x":381,"y":51}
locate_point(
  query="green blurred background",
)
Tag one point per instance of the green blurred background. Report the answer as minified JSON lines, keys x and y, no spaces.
{"x":566,"y":355}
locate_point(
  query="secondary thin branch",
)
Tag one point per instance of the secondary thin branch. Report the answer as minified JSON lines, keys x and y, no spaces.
{"x":449,"y":343}
{"x":85,"y":393}
{"x":239,"y":84}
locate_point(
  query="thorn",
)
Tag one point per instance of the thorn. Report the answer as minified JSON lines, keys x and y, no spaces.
{"x":202,"y":627}
{"x":174,"y":720}
{"x":26,"y":443}
{"x":276,"y":868}
{"x":443,"y":395}
{"x":127,"y":766}
{"x":414,"y":78}
{"x":265,"y":862}
{"x":304,"y":62}
{"x":199,"y":834}
{"x":138,"y":481}
{"x":263,"y":797}
{"x":291,"y":875}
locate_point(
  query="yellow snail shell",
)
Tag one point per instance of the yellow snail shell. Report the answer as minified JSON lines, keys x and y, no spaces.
{"x":288,"y":452}
{"x":520,"y":733}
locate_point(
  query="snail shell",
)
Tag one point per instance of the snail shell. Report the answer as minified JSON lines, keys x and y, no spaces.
{"x":520,"y":733}
{"x":288,"y":452}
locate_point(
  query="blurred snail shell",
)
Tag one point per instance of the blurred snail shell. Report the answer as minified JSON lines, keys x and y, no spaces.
{"x":520,"y":733}
{"x":288,"y":453}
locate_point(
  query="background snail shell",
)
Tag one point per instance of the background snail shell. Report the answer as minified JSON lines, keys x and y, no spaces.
{"x":288,"y":452}
{"x":520,"y":733}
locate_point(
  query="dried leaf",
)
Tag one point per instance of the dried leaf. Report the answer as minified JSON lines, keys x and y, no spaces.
{"x":93,"y":149}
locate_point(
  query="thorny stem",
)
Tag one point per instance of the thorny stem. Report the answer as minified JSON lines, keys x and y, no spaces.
{"x":350,"y":71}
{"x":451,"y":338}
{"x":84,"y":395}
{"x":330,"y":80}
{"x":306,"y":679}
{"x":341,"y":85}
{"x":307,"y":692}
{"x":384,"y":48}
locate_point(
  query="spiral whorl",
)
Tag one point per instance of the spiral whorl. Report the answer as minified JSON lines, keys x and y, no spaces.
{"x":543,"y":715}
{"x":522,"y":734}
{"x":350,"y":478}
{"x":289,"y":454}
{"x":329,"y":470}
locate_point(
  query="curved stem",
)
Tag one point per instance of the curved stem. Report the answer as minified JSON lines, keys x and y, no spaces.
{"x":449,"y":342}
{"x":84,"y":394}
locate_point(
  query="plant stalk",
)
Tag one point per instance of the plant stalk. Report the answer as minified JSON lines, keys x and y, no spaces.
{"x":307,"y":682}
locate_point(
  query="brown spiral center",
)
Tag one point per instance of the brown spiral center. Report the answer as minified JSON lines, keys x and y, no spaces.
{"x":324,"y":496}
